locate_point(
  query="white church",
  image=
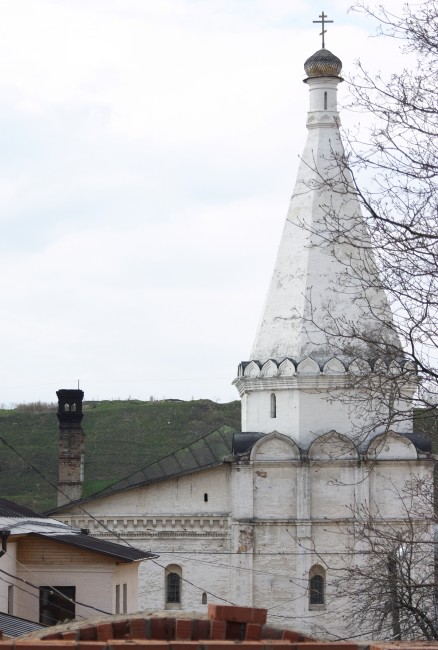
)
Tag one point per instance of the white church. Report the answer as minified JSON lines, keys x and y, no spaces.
{"x":265,"y":518}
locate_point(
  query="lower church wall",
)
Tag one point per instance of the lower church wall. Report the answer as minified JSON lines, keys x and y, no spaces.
{"x":258,"y":553}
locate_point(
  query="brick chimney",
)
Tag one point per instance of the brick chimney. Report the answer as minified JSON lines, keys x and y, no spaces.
{"x":71,"y":445}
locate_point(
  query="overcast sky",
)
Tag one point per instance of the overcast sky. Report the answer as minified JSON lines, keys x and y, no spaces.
{"x":148,"y":150}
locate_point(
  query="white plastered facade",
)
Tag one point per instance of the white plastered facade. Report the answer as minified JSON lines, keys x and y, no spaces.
{"x":251,"y":530}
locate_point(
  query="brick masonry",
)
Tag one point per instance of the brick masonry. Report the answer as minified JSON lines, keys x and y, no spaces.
{"x":225,"y":627}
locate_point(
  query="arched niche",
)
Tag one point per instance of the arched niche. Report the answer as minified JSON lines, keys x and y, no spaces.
{"x":308,"y":367}
{"x":274,"y":477}
{"x":269,"y":369}
{"x":391,"y":446}
{"x":333,"y":446}
{"x":252,"y":370}
{"x":334,"y":367}
{"x":275,"y":446}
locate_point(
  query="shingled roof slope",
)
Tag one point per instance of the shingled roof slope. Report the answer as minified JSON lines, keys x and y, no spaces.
{"x":19,"y":520}
{"x":208,"y":451}
{"x":204,"y":452}
{"x":11,"y":509}
{"x":117,"y":552}
{"x":14,"y":626}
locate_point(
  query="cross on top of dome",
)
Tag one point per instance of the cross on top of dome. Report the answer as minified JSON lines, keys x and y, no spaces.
{"x":323,"y":21}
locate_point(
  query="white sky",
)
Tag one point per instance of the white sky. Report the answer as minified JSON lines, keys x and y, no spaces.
{"x":148,"y":150}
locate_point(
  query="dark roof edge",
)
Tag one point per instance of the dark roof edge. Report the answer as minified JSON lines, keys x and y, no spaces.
{"x":100,"y":546}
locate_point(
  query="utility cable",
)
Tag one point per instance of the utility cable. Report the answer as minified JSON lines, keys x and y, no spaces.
{"x":113,"y":533}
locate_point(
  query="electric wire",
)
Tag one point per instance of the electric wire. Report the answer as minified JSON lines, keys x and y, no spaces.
{"x":115,"y":534}
{"x":112,"y":532}
{"x":75,"y":602}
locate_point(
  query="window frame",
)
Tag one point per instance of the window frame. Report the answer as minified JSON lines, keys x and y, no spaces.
{"x":318,"y":591}
{"x":173,"y":572}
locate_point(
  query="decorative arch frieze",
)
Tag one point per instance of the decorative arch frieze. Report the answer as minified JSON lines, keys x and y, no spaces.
{"x":334,"y":367}
{"x":380,"y":367}
{"x":252,"y":370}
{"x":409,"y":366}
{"x":275,"y":446}
{"x":359,"y":367}
{"x":391,"y":446}
{"x":269,"y":369}
{"x":287,"y":368}
{"x":308,"y":367}
{"x":333,"y":446}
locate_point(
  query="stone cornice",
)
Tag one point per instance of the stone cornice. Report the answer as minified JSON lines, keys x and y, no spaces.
{"x":148,"y":524}
{"x":314,"y":383}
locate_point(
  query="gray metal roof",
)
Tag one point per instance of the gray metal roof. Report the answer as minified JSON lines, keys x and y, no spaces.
{"x":11,"y":509}
{"x":208,"y":451}
{"x":205,"y":452}
{"x":421,"y":439}
{"x":20,"y":520}
{"x":115,"y":551}
{"x":14,"y":626}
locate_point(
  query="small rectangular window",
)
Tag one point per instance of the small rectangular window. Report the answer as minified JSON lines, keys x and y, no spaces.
{"x":125,"y":598}
{"x":117,"y":599}
{"x":57,"y":604}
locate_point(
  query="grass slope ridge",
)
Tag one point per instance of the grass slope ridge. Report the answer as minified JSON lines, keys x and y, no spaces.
{"x":121,"y":437}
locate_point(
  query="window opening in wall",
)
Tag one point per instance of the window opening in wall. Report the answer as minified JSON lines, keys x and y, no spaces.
{"x":325,"y":101}
{"x":317,"y":587}
{"x":173,"y":584}
{"x":125,"y":598}
{"x":73,"y":407}
{"x":57,"y":604}
{"x":117,"y":599}
{"x":317,"y":590}
{"x":273,"y":406}
{"x":204,"y":598}
{"x":173,"y":588}
{"x":205,"y":497}
{"x":10,"y":599}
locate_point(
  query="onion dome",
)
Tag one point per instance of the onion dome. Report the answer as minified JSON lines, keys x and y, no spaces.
{"x":323,"y":64}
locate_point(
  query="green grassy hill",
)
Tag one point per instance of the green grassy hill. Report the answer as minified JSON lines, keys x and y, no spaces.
{"x":120,"y":437}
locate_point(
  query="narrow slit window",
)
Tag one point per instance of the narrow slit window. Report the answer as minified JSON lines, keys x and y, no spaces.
{"x":204,"y":598}
{"x":205,"y":497}
{"x":273,"y":406}
{"x":325,"y":101}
